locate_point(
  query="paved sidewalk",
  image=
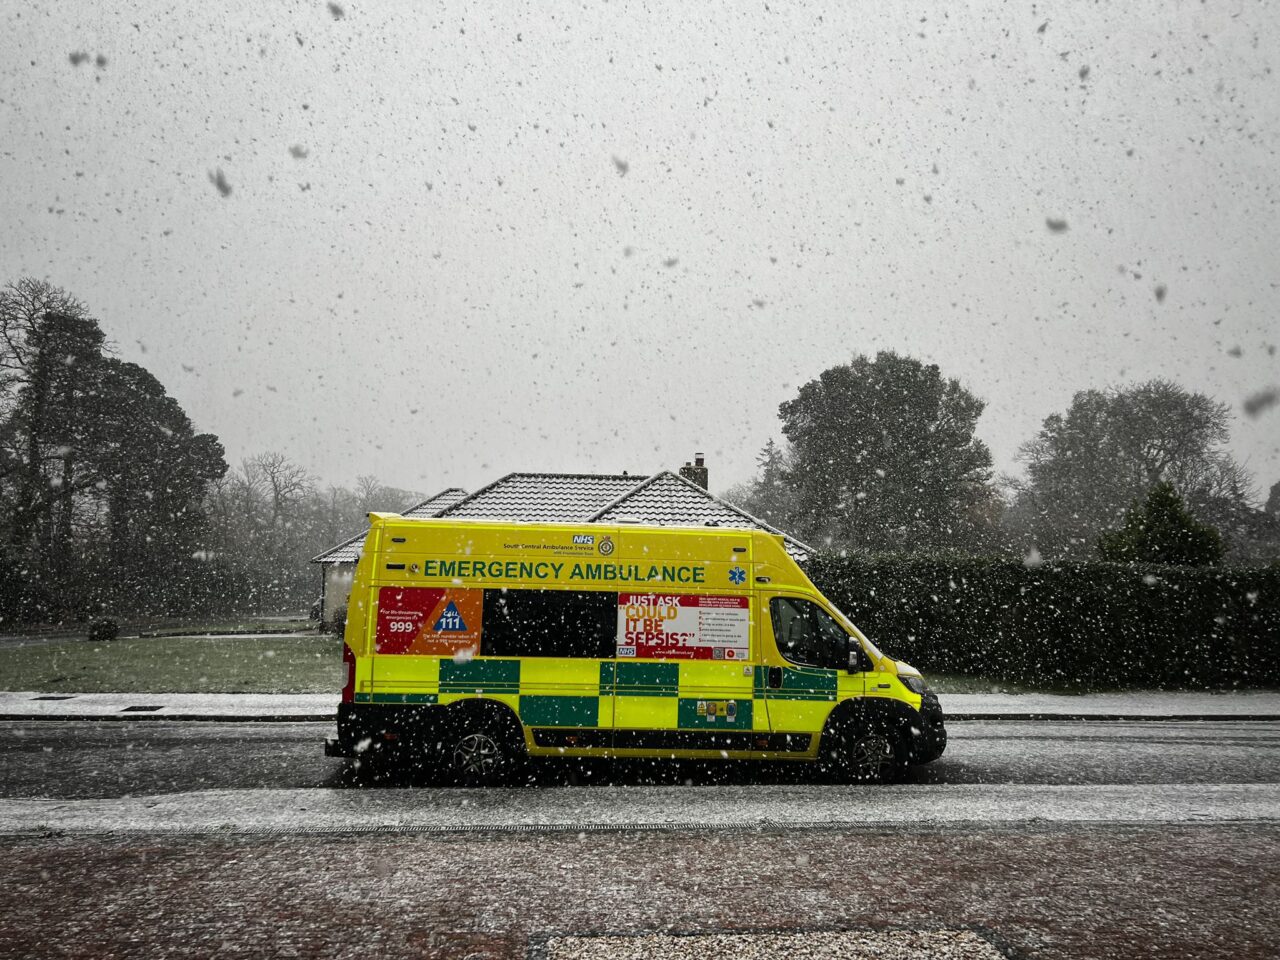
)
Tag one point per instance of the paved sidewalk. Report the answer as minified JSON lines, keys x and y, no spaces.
{"x":1254,"y":705}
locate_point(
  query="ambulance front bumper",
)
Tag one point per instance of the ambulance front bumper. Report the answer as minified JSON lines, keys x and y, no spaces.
{"x":929,"y":737}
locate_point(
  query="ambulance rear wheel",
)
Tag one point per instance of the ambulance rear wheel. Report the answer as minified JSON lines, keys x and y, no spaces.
{"x":484,"y":752}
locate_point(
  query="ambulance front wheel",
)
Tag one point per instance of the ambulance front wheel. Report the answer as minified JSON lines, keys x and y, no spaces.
{"x":871,"y":758}
{"x":854,"y":752}
{"x":485,"y":751}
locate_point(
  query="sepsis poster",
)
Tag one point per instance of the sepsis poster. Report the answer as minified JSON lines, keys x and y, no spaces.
{"x":678,"y":627}
{"x":428,"y":621}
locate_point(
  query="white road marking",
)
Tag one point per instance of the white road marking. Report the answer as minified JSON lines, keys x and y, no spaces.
{"x":595,"y":808}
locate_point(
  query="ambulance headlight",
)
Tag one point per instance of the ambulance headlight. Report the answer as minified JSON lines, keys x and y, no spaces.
{"x":914,"y":684}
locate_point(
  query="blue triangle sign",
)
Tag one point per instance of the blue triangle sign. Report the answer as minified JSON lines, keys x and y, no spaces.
{"x":450,"y":620}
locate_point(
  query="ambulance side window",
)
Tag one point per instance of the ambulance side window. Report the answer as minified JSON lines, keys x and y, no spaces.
{"x":806,"y":635}
{"x":794,"y":630}
{"x":549,"y":623}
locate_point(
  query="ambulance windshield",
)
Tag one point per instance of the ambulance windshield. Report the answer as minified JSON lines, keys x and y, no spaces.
{"x":867,"y":645}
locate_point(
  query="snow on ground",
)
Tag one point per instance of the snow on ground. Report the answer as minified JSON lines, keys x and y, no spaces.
{"x":833,"y":944}
{"x":318,"y":706}
{"x":1238,"y":705}
{"x":1137,"y":703}
{"x":570,"y":808}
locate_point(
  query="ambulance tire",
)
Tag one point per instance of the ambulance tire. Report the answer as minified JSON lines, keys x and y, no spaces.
{"x":862,"y":750}
{"x":485,"y":748}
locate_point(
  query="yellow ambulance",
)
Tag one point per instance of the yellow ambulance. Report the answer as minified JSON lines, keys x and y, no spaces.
{"x":471,"y":646}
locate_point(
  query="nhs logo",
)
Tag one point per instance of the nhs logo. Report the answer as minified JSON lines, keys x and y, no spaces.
{"x":587,"y":538}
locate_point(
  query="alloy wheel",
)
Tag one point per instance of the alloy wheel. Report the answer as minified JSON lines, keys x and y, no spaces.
{"x":477,"y":756}
{"x":871,"y":758}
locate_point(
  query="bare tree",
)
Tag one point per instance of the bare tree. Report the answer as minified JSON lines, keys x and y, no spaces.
{"x":271,"y":516}
{"x":285,"y":483}
{"x":1089,"y":465}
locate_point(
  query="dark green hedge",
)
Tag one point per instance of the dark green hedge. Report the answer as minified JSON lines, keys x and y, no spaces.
{"x":1085,"y":626}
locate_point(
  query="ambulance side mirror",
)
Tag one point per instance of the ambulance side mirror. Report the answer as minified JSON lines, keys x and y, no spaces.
{"x":858,"y":662}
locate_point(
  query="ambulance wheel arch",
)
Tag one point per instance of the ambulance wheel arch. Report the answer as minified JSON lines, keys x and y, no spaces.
{"x":866,"y":739}
{"x":483,"y":743}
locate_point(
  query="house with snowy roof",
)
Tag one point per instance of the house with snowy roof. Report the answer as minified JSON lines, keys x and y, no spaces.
{"x":666,"y":499}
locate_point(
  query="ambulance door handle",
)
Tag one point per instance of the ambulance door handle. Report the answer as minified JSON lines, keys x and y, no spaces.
{"x":775,"y":678}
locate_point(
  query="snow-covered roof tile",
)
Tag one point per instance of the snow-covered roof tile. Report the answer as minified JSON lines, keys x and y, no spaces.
{"x":543,"y":497}
{"x":669,"y":500}
{"x":664,"y":499}
{"x":434,"y":506}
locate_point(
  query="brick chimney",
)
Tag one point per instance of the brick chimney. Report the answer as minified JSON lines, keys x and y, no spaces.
{"x":696,"y":472}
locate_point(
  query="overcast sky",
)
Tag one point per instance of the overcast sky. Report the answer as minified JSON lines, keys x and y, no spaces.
{"x":466,"y":239}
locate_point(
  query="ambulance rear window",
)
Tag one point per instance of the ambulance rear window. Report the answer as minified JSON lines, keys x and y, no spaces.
{"x":549,"y":623}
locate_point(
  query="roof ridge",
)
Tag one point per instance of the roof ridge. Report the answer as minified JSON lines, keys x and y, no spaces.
{"x":471,"y":496}
{"x":724,"y":503}
{"x":573,"y":476}
{"x":630,"y":493}
{"x":319,"y":557}
{"x":434,"y":496}
{"x":526,"y":473}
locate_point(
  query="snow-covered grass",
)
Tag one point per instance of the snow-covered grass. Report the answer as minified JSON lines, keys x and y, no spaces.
{"x":205,"y":664}
{"x":959,"y":683}
{"x":169,"y":626}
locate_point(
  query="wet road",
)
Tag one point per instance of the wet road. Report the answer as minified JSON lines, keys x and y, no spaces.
{"x":86,"y":759}
{"x":1059,"y":841}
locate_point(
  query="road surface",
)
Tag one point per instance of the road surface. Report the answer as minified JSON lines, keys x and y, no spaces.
{"x":1049,"y":840}
{"x":91,"y":759}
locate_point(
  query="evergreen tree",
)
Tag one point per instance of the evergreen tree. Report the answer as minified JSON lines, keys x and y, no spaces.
{"x":884,"y":457}
{"x":1162,"y":530}
{"x":102,"y":477}
{"x":768,"y":495}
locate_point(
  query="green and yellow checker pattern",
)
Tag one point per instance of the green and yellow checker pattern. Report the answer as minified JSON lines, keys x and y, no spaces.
{"x":619,"y":694}
{"x":683,"y":695}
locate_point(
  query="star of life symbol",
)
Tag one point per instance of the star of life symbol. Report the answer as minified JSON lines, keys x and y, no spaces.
{"x":737,"y":575}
